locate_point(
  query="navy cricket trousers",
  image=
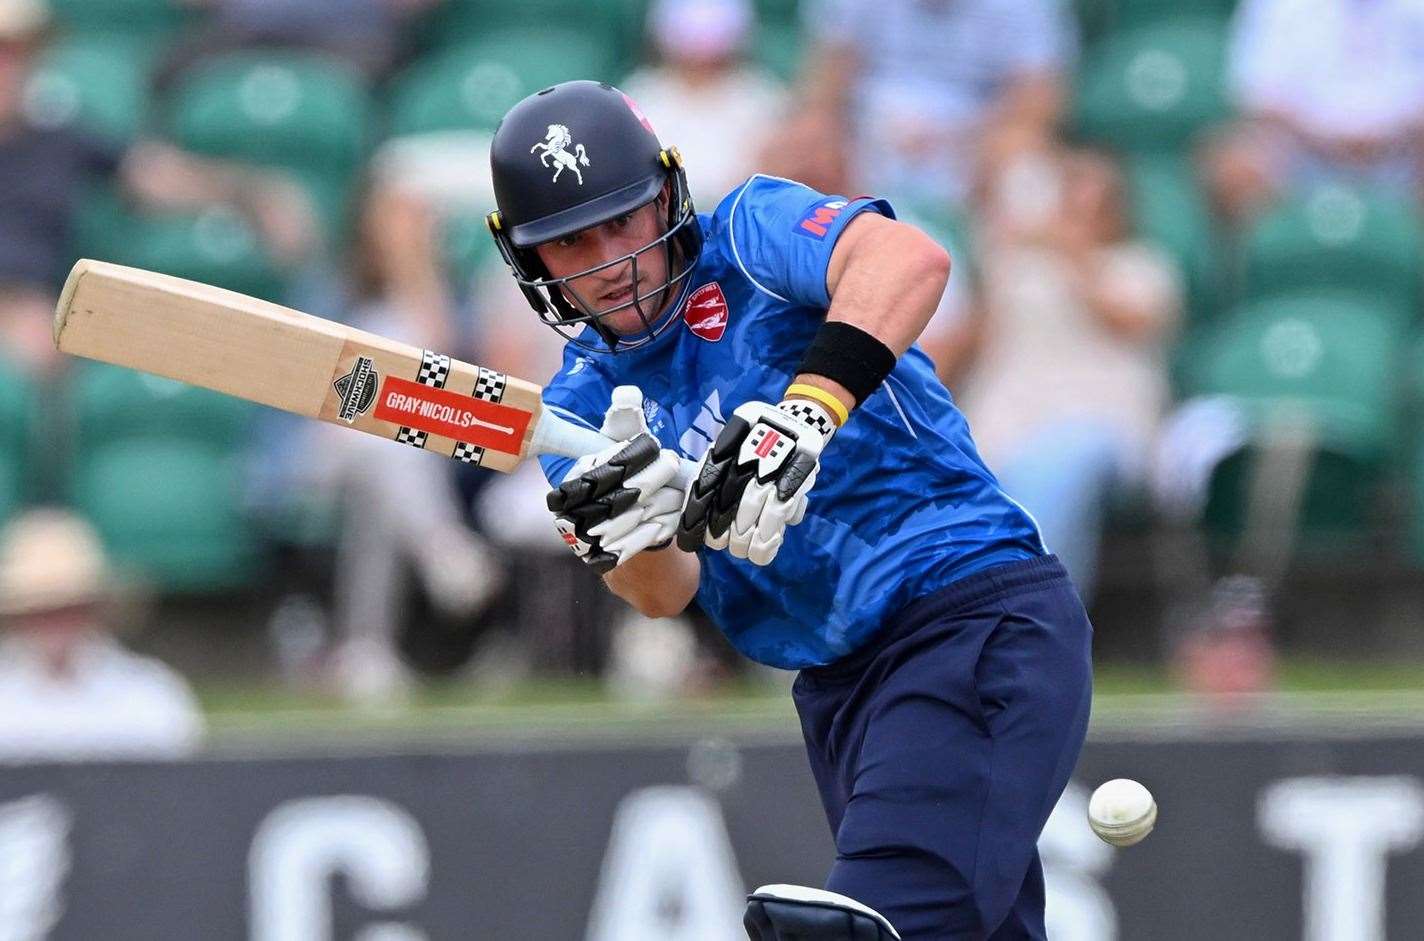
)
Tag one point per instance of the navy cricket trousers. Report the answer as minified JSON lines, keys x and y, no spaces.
{"x":941,"y":749}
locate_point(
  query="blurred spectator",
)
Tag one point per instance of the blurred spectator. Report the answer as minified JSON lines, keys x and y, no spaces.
{"x":572,"y":623}
{"x":68,"y":689}
{"x":926,"y":94}
{"x":564,"y":626}
{"x":45,"y":168}
{"x":1227,"y":650}
{"x":398,"y":506}
{"x":367,"y":34}
{"x":1325,"y":88}
{"x":702,"y":97}
{"x":1070,"y":382}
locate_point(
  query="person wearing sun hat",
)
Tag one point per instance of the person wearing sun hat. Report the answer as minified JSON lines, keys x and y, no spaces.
{"x":68,"y":689}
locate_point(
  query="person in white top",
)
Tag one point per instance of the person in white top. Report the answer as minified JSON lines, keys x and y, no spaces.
{"x":69,"y":691}
{"x":1070,"y":377}
{"x":928,"y":97}
{"x":1326,"y":89}
{"x":704,"y":96}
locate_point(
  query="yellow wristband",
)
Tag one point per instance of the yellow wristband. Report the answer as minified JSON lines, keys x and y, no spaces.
{"x":836,"y":406}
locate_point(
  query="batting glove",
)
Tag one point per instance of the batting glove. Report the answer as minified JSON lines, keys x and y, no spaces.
{"x":624,"y":499}
{"x":753,"y":481}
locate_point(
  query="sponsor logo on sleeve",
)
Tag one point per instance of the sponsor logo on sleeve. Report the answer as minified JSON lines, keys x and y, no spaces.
{"x":818,"y":220}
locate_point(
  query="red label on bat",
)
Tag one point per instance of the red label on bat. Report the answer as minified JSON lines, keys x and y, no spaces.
{"x":452,"y":415}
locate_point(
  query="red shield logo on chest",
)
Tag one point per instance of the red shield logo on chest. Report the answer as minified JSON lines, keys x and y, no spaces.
{"x":706,"y":312}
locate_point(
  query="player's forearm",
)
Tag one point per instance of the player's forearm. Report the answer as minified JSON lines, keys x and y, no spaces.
{"x":660,"y":583}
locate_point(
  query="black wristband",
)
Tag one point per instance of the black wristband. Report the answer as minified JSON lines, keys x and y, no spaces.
{"x":848,"y":355}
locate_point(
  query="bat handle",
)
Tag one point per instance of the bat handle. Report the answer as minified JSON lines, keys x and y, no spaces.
{"x":555,"y":435}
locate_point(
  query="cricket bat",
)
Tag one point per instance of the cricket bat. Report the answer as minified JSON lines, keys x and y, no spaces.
{"x":263,"y":352}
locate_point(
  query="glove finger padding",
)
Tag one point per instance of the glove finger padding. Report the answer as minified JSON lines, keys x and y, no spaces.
{"x":798,"y":477}
{"x":657,"y":475}
{"x":760,"y":527}
{"x":748,"y":512}
{"x":716,"y":489}
{"x":653,"y":529}
{"x":582,"y":488}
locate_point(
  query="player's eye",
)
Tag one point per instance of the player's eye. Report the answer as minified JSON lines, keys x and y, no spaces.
{"x":623,"y":220}
{"x":568,"y":241}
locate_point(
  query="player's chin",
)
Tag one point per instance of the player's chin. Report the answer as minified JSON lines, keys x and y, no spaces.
{"x":627,"y":321}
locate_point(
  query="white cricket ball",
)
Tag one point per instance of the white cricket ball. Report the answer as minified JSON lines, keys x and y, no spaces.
{"x":1122,"y":812}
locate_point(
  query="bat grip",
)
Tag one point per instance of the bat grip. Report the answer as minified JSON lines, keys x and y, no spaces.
{"x":555,"y":435}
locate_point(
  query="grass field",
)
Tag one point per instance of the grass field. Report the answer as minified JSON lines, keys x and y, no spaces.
{"x":1318,"y":692}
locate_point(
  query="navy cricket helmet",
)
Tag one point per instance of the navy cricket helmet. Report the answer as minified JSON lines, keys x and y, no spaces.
{"x":571,"y":157}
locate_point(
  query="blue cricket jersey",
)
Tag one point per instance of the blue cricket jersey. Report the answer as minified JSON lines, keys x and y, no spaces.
{"x":902,"y":505}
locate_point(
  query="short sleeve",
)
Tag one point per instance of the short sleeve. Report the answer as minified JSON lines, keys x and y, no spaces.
{"x":782,"y":234}
{"x":578,"y":394}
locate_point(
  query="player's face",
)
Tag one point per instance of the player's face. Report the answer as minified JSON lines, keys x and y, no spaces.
{"x":613,"y":286}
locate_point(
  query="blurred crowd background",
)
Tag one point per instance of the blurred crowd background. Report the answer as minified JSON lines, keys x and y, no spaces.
{"x":1183,"y":320}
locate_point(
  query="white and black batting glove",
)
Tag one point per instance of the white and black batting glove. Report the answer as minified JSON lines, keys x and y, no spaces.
{"x":624,"y":499}
{"x":753,"y":481}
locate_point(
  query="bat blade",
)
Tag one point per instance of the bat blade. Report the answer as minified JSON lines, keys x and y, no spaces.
{"x":263,"y":352}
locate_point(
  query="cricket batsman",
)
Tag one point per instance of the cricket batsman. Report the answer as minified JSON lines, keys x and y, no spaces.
{"x":840,"y":523}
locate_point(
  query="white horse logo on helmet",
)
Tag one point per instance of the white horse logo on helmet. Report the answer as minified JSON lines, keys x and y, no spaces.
{"x":553,"y":146}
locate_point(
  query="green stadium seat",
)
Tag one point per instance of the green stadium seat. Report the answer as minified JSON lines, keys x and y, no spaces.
{"x":158,"y":19}
{"x":466,"y":246}
{"x":1413,"y":457}
{"x":16,"y":397}
{"x":287,"y":109}
{"x":116,"y":404}
{"x":306,"y":113}
{"x":1095,"y":19}
{"x":778,"y":47}
{"x":470,"y":87}
{"x":1334,"y":359}
{"x":1153,"y":88}
{"x":161,"y":477}
{"x":778,"y":11}
{"x":1169,"y":209}
{"x":1338,"y":238}
{"x":99,"y":83}
{"x":216,"y":245}
{"x":170,"y":510}
{"x":11,"y":488}
{"x":1128,"y":14}
{"x":614,"y":25}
